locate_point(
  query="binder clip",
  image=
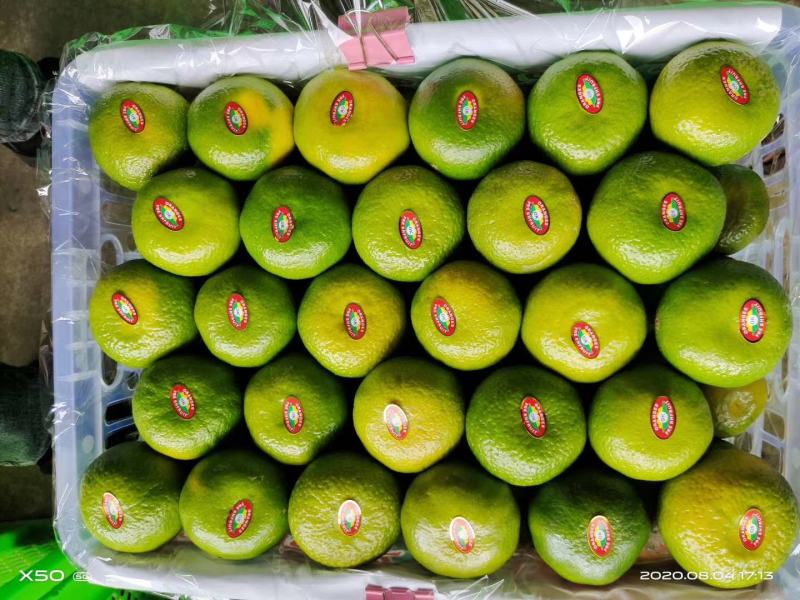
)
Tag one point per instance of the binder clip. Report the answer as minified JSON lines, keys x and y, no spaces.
{"x":376,"y":38}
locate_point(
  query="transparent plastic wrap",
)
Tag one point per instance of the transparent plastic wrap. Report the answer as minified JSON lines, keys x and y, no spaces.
{"x":289,"y":43}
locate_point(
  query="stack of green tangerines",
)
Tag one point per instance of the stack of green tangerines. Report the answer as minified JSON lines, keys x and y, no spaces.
{"x":250,"y":310}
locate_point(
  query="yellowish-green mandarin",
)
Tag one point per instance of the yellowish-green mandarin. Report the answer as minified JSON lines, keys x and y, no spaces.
{"x":350,"y":124}
{"x":351,"y":319}
{"x":137,"y":130}
{"x":731,"y":516}
{"x":138,"y":313}
{"x":715,"y":102}
{"x":241,"y":126}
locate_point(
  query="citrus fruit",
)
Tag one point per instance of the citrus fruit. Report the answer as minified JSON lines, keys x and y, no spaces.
{"x":460,"y":522}
{"x":715,"y":101}
{"x":465,"y":117}
{"x":731,"y":516}
{"x":524,"y":217}
{"x":586,"y":110}
{"x":345,"y":510}
{"x":241,"y":126}
{"x":129,"y":498}
{"x":139,"y":313}
{"x":234,"y":504}
{"x":525,"y":425}
{"x":734,"y":410}
{"x":350,"y":124}
{"x":350,"y":320}
{"x":296,"y":223}
{"x":407,"y":222}
{"x":589,"y":526}
{"x":466,"y":315}
{"x":137,"y":130}
{"x":245,"y":316}
{"x":409,"y":413}
{"x":184,"y":405}
{"x":667,"y":427}
{"x":747,"y":207}
{"x":654,"y":215}
{"x":725,"y":323}
{"x":584,"y":321}
{"x":293,"y":408}
{"x":186,"y":222}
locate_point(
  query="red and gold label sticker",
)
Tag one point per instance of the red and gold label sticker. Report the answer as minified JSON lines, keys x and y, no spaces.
{"x":673,"y":212}
{"x":239,"y":518}
{"x":238,"y":314}
{"x":752,"y":320}
{"x":132,"y":116}
{"x":601,"y":539}
{"x":462,"y":535}
{"x":168,"y":214}
{"x":585,"y":339}
{"x":292,"y":415}
{"x":662,"y":417}
{"x":443,"y":317}
{"x":112,"y":509}
{"x":590,"y":96}
{"x":342,"y":109}
{"x":182,"y":401}
{"x":410,"y":229}
{"x":751,"y":529}
{"x":124,"y":308}
{"x":396,"y":421}
{"x":282,"y":224}
{"x":235,"y":118}
{"x":734,"y":85}
{"x":533,"y":418}
{"x":467,"y":110}
{"x":536,"y":215}
{"x":349,"y":517}
{"x":355,"y":321}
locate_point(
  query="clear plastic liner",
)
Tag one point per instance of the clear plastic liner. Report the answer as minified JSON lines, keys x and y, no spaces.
{"x":289,"y":42}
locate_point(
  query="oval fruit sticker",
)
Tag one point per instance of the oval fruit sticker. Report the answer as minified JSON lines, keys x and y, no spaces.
{"x":292,"y":415}
{"x":533,"y":418}
{"x":124,"y":308}
{"x":751,"y":529}
{"x":467,"y":110}
{"x":396,"y":421}
{"x":600,"y":537}
{"x":662,"y":417}
{"x":443,"y":317}
{"x":132,"y":116}
{"x":235,"y":118}
{"x":349,"y":517}
{"x":282,"y":224}
{"x":239,"y":518}
{"x":238,"y":315}
{"x":589,"y":94}
{"x":734,"y":85}
{"x":182,"y":401}
{"x":585,"y":339}
{"x":462,"y":535}
{"x":410,"y":229}
{"x":355,"y":321}
{"x":752,"y":320}
{"x":342,"y":109}
{"x":673,"y":212}
{"x":168,"y":214}
{"x":112,"y":509}
{"x":536,"y":215}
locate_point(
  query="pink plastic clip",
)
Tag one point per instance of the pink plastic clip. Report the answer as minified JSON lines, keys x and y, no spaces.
{"x":377,"y":38}
{"x":376,"y":592}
